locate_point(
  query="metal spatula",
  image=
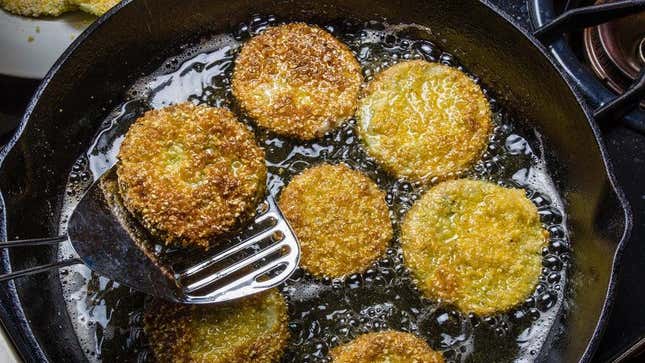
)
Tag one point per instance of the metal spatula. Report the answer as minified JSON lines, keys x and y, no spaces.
{"x":98,"y":232}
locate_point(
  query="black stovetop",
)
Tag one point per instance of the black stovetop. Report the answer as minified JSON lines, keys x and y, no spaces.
{"x":627,"y":152}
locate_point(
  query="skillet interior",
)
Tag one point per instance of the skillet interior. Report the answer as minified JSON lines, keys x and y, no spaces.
{"x":131,"y":42}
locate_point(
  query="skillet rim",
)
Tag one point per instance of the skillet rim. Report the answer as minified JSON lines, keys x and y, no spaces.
{"x":35,"y":351}
{"x":628,"y":214}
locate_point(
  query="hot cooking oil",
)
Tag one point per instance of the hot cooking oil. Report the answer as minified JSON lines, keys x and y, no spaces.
{"x":327,"y":312}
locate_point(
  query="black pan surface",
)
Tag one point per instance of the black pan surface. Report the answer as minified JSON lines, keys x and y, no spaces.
{"x":134,"y":39}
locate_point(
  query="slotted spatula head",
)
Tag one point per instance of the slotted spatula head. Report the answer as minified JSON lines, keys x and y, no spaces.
{"x":100,"y":232}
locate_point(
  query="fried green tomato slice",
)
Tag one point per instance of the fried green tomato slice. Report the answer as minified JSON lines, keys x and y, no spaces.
{"x":190,"y":173}
{"x":386,"y":347}
{"x":37,"y":8}
{"x":253,"y":330}
{"x":96,"y":7}
{"x":422,"y":120}
{"x":297,"y":80}
{"x":340,"y":218}
{"x":474,"y":244}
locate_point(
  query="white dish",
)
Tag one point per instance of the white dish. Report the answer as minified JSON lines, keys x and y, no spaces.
{"x":30,"y":46}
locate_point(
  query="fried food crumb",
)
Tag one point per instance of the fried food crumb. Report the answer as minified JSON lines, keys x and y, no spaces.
{"x":297,"y":80}
{"x":96,"y":7}
{"x":191,"y":173}
{"x":37,"y":8}
{"x":474,"y":244}
{"x":340,"y":218}
{"x":254,"y":329}
{"x":387,"y":346}
{"x":423,"y":120}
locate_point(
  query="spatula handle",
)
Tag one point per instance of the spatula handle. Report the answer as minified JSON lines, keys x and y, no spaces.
{"x":36,"y":269}
{"x":33,"y":242}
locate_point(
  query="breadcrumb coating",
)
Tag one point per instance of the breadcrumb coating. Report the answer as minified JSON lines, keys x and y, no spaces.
{"x":386,"y":347}
{"x":253,"y":330}
{"x":475,"y":244}
{"x":297,"y":80}
{"x":340,"y":218}
{"x":191,"y":173}
{"x":96,"y":7}
{"x":37,"y":8}
{"x":423,"y":120}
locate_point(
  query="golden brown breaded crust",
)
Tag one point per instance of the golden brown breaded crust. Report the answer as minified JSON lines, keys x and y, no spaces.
{"x":96,"y":7}
{"x":37,"y":7}
{"x":191,"y":173}
{"x":423,"y":120}
{"x":252,"y":330}
{"x":297,"y":80}
{"x":475,"y":244}
{"x":340,"y":218}
{"x":386,"y":347}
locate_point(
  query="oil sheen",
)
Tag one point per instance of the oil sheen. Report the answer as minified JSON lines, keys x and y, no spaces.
{"x":108,"y":318}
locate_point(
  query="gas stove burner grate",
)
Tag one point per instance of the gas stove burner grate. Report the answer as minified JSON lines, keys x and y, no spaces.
{"x":616,"y":50}
{"x":609,"y":70}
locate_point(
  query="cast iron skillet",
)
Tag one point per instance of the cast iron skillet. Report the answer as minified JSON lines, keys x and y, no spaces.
{"x":91,"y":77}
